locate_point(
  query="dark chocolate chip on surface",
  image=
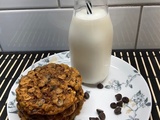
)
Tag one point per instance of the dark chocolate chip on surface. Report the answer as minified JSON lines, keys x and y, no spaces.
{"x":113,"y":105}
{"x":99,"y":111}
{"x":100,"y":86}
{"x":93,"y":118}
{"x":86,"y":95}
{"x":125,"y":99}
{"x":120,"y":103}
{"x":117,"y":111}
{"x":102,"y":116}
{"x":118,"y":97}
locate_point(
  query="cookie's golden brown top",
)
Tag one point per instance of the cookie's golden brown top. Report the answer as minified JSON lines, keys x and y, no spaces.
{"x":49,"y":89}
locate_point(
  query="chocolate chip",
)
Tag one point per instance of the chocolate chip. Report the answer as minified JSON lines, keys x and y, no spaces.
{"x":117,"y":111}
{"x":113,"y":105}
{"x":102,"y":116}
{"x":118,"y":97}
{"x":93,"y":118}
{"x":86,"y":95}
{"x":99,"y":111}
{"x":120,"y":103}
{"x":125,"y":99}
{"x":100,"y":86}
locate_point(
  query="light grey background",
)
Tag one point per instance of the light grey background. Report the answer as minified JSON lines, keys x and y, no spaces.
{"x":31,"y":25}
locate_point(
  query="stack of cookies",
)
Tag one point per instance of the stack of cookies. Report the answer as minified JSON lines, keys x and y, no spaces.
{"x":50,"y":92}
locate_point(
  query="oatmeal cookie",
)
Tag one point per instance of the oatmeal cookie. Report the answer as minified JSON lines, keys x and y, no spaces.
{"x":49,"y":90}
{"x":60,"y":116}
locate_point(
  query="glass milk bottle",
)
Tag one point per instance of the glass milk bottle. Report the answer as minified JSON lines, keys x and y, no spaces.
{"x":90,"y":40}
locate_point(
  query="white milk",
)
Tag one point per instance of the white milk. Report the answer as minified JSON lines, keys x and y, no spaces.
{"x":90,"y":42}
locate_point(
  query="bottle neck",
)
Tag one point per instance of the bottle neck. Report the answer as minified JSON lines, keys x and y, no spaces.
{"x":83,"y":4}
